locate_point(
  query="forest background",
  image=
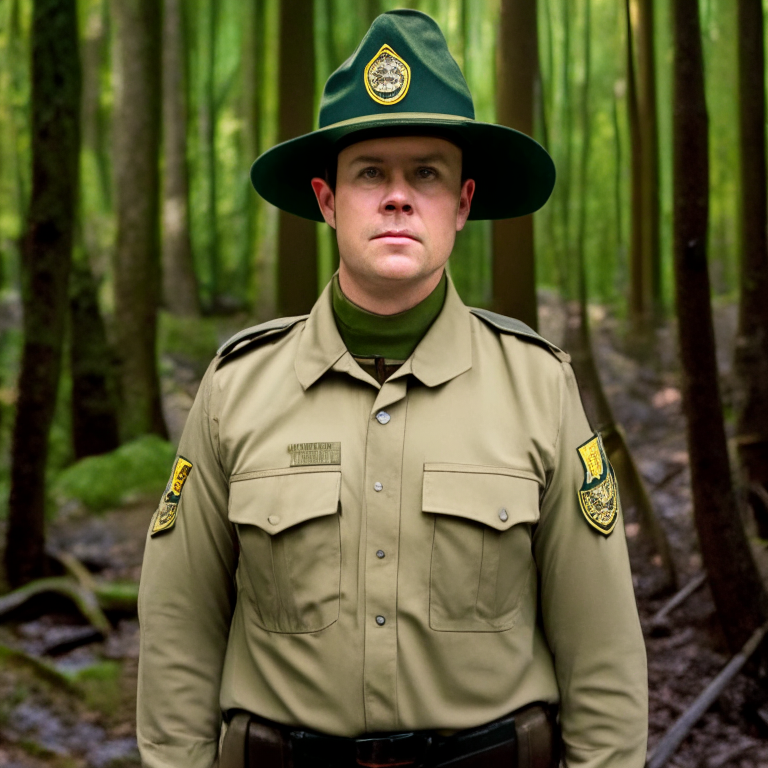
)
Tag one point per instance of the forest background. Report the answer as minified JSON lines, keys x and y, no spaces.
{"x":132,"y":245}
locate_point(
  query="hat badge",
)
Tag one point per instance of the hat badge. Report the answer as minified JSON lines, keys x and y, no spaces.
{"x":387,"y":77}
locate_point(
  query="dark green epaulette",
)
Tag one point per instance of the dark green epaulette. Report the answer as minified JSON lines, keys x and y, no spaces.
{"x":268,"y":330}
{"x":519,"y":328}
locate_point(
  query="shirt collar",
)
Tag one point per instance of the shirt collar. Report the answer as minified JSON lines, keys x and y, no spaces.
{"x":444,"y":353}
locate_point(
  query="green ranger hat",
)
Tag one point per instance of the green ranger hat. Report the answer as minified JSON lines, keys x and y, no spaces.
{"x":402,"y":80}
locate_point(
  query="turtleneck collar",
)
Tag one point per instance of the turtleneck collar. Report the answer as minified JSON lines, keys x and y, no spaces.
{"x":393,"y":337}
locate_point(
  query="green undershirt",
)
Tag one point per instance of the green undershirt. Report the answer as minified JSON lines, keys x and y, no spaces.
{"x":392,"y":337}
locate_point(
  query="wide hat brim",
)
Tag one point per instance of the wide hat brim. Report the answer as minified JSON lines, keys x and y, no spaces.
{"x":514,"y":174}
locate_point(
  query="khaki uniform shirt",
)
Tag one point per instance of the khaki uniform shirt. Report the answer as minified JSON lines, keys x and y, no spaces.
{"x":352,"y":557}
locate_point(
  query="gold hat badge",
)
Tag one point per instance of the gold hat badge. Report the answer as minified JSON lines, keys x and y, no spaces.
{"x":387,"y":77}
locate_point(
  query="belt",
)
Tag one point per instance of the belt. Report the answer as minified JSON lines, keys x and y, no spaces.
{"x":526,"y":738}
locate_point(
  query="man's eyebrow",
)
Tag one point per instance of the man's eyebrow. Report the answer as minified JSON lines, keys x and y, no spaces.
{"x":367,"y":159}
{"x":434,"y":157}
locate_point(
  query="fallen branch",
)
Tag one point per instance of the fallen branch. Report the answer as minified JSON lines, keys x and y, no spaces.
{"x":45,"y":671}
{"x":682,"y":727}
{"x":75,"y":569}
{"x":111,"y":595}
{"x":679,"y":598}
{"x":117,"y":595}
{"x":84,"y":599}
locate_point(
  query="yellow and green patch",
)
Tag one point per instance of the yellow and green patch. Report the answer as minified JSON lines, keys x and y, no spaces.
{"x":598,"y":495}
{"x":165,"y":517}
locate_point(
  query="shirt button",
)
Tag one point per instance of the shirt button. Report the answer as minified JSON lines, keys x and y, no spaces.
{"x":273,"y":519}
{"x":383,"y":417}
{"x":380,"y":554}
{"x":381,"y":621}
{"x":378,"y":487}
{"x":503,"y":516}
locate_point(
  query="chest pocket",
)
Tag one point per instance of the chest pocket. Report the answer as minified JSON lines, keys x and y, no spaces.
{"x":290,"y":545}
{"x":482,"y":563}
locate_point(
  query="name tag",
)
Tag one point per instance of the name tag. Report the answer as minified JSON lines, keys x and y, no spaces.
{"x":308,"y":454}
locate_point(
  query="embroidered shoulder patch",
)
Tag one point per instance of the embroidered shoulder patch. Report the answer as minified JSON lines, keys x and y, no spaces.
{"x":598,"y":496}
{"x":165,"y":517}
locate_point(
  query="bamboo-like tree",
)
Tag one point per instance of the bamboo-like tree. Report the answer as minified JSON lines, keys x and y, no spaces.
{"x":579,"y":344}
{"x":46,"y":257}
{"x":209,"y":116}
{"x":737,"y":590}
{"x":751,"y":361}
{"x":91,"y":360}
{"x":517,"y":67}
{"x":645,"y":251}
{"x":180,"y":291}
{"x":95,"y":426}
{"x":252,"y":72}
{"x":137,"y":278}
{"x":297,"y":240}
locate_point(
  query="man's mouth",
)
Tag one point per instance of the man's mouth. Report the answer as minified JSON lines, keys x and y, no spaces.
{"x":396,"y":234}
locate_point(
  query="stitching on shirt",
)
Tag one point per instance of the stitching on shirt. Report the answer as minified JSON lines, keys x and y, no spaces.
{"x":305,"y":470}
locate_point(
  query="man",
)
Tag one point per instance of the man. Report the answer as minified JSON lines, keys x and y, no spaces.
{"x":390,"y":536}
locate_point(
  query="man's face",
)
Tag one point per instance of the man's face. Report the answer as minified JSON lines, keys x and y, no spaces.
{"x":397,"y":206}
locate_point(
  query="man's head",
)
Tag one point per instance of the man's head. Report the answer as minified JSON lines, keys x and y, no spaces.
{"x":397,"y":205}
{"x":402,"y":80}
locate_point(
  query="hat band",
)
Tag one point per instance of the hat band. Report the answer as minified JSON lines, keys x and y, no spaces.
{"x":398,"y":117}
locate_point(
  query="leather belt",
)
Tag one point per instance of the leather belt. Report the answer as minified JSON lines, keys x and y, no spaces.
{"x":527,"y":738}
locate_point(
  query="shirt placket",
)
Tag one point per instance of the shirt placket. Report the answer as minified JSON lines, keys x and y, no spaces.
{"x":383,"y":483}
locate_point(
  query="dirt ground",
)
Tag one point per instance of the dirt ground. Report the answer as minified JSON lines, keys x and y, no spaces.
{"x":44,"y":723}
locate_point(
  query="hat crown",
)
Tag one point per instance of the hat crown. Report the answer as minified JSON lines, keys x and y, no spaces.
{"x":402,"y":65}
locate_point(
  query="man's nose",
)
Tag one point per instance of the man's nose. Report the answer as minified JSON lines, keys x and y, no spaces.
{"x":398,"y":197}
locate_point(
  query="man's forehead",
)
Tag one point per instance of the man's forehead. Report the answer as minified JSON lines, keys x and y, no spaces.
{"x":423,"y":149}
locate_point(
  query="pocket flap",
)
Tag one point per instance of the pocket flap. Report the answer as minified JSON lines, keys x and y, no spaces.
{"x":277,"y":499}
{"x":494,"y":496}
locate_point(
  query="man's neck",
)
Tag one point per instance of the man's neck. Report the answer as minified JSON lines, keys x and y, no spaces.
{"x":387,"y":297}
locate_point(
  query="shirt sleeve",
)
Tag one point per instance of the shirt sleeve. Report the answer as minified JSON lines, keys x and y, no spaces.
{"x":589,"y":612}
{"x":186,"y":600}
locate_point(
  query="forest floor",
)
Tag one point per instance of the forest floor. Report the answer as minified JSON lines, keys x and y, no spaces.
{"x":84,"y":717}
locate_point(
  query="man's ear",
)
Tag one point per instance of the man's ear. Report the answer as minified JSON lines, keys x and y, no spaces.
{"x":326,"y":200}
{"x":465,"y":203}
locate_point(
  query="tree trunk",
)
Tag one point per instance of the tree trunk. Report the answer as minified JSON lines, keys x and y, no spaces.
{"x":649,"y":143}
{"x":208,"y":119}
{"x":637,"y":290}
{"x":297,"y":241}
{"x":180,"y":294}
{"x":751,"y":361}
{"x":579,"y":343}
{"x":94,"y":404}
{"x":45,"y":264}
{"x":254,"y":40}
{"x":514,"y":267}
{"x":137,"y":257}
{"x":645,"y":257}
{"x":93,"y":119}
{"x":736,"y":586}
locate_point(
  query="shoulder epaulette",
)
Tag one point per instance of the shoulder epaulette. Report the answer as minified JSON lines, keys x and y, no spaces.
{"x":261,"y":332}
{"x":519,"y":328}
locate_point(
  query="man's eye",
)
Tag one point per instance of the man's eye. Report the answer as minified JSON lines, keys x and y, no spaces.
{"x":426,"y":173}
{"x":370,"y":173}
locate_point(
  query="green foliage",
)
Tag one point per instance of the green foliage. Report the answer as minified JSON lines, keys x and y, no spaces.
{"x":107,"y":481}
{"x":100,"y":685}
{"x":193,"y":339}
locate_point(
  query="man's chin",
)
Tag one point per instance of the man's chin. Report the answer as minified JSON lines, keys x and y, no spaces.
{"x":398,"y":268}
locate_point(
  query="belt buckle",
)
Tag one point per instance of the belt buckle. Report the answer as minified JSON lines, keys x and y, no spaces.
{"x":399,"y":749}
